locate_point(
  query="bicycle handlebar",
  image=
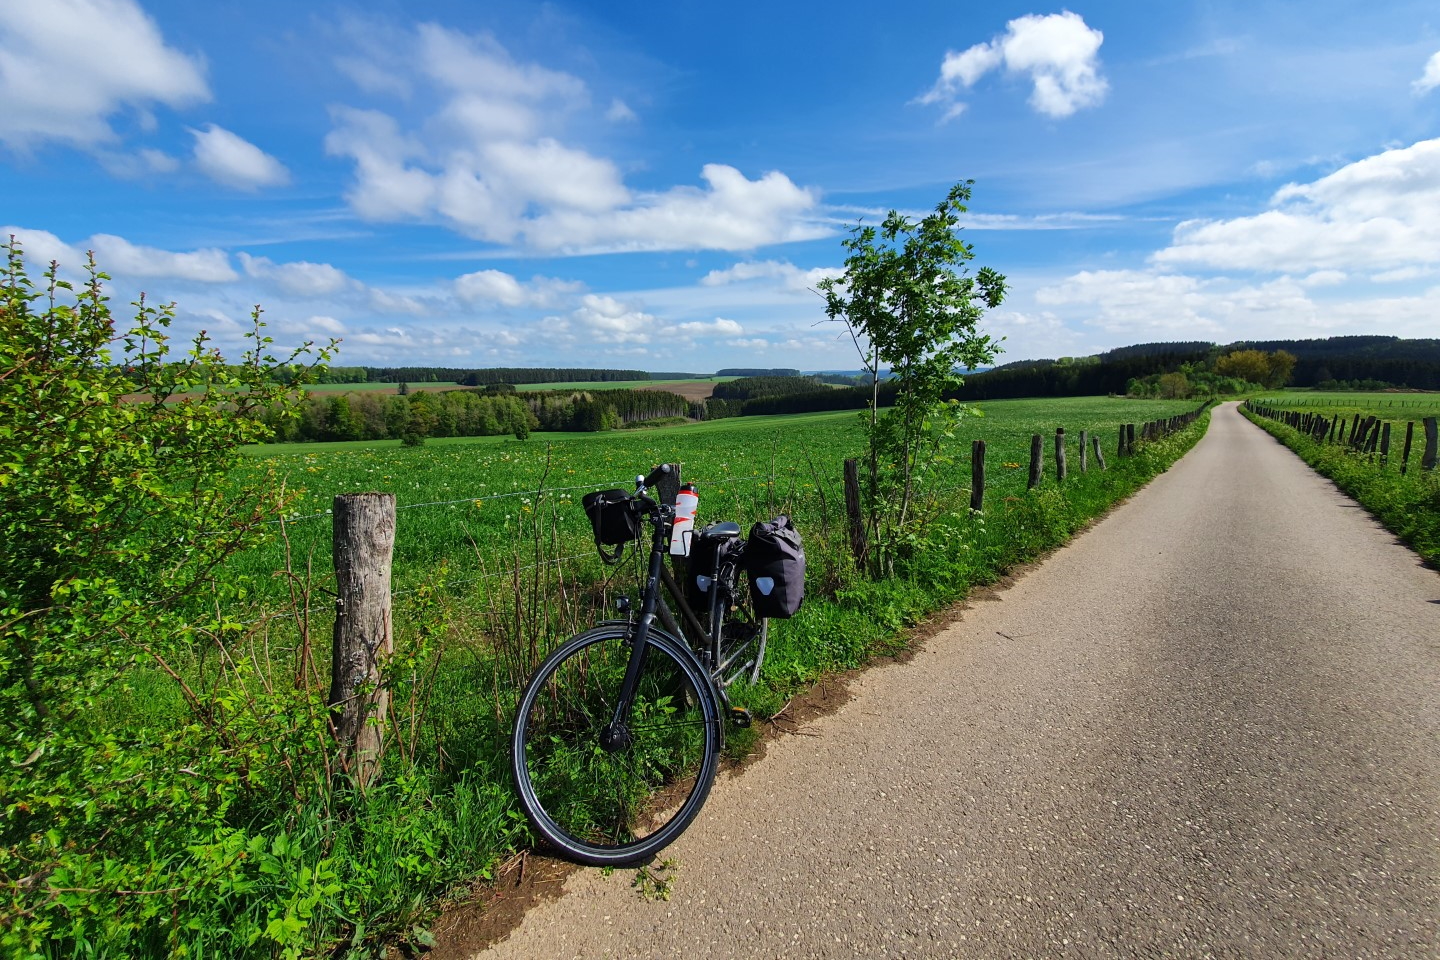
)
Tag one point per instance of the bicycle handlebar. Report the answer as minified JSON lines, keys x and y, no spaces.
{"x":655,"y":476}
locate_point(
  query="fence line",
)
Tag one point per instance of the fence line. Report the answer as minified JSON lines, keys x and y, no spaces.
{"x":1364,"y":436}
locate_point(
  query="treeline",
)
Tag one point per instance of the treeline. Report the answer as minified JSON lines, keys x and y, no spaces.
{"x":414,"y":416}
{"x":410,"y":417}
{"x":746,"y":396}
{"x":593,"y":410}
{"x":472,"y":377}
{"x":755,"y":372}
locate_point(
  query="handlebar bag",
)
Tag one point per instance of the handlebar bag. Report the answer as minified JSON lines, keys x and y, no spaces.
{"x":611,"y":517}
{"x":775,"y":564}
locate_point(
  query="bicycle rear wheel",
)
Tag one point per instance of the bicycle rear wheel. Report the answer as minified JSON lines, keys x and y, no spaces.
{"x":617,"y":804}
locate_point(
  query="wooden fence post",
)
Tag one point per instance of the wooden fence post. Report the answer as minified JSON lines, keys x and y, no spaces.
{"x":1099,"y":454}
{"x":1427,"y":462}
{"x":1385,"y":444}
{"x":1409,"y":438}
{"x":858,"y":547}
{"x":1060,"y":467}
{"x":977,"y":475}
{"x":1129,"y":439}
{"x":1084,"y":452}
{"x":363,"y":530}
{"x":1037,"y":461}
{"x":1120,"y":447}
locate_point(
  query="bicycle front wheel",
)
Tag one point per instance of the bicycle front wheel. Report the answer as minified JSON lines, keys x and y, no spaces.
{"x":608,"y":800}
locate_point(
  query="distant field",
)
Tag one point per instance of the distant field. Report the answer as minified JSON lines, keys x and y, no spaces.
{"x":379,"y":387}
{"x":689,"y":389}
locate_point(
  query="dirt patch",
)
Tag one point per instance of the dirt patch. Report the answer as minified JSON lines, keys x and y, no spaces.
{"x":694,"y":390}
{"x":493,"y":910}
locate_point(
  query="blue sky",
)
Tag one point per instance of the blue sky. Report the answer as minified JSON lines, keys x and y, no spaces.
{"x":659,"y":186}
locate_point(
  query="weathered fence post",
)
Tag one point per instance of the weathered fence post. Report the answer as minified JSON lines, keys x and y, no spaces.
{"x":363,"y":529}
{"x":1120,"y":447}
{"x":1129,"y":439}
{"x":1084,"y":453}
{"x":1060,"y":467}
{"x":669,"y":485}
{"x":858,"y":547}
{"x":1427,"y":462}
{"x":977,"y":475}
{"x":1099,"y":454}
{"x":1037,"y":461}
{"x":1409,"y":438}
{"x":1385,"y":444}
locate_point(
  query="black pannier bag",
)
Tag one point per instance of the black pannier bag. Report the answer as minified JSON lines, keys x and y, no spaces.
{"x":613,"y":520}
{"x":775,"y":563}
{"x":707,"y":551}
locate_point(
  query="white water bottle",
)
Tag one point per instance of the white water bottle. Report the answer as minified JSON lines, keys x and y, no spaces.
{"x":686,"y":503}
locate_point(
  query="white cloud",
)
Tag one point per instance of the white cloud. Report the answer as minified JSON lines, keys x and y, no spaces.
{"x":300,"y":278}
{"x":235,"y":161}
{"x":490,"y":163}
{"x":67,"y":66}
{"x":328,"y":325}
{"x":498,"y":287}
{"x":1430,"y":79}
{"x":717,"y":327}
{"x":1380,"y":214}
{"x":607,"y":321}
{"x":620,"y":112}
{"x":791,"y":277}
{"x":1058,"y":52}
{"x":122,"y":259}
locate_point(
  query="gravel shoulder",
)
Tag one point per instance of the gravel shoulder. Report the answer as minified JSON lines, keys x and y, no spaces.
{"x":1210,"y":726}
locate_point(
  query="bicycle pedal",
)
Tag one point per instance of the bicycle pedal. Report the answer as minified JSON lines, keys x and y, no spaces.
{"x":740,"y":717}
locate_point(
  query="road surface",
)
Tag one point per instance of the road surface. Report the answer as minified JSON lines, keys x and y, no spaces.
{"x":1210,"y":726}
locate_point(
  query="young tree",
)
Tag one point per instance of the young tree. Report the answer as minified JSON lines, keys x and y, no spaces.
{"x":910,"y":305}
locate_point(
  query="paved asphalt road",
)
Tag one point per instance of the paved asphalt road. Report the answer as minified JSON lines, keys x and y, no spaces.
{"x":1208,"y":727}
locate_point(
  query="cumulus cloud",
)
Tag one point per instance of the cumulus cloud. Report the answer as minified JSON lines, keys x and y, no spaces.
{"x":1058,"y":52}
{"x":790,"y":277}
{"x":234,"y":161}
{"x":610,"y":322}
{"x":503,"y":289}
{"x":1377,"y":214}
{"x":300,"y":278}
{"x":490,"y":162}
{"x":122,"y":259}
{"x":1430,"y":79}
{"x":68,"y":66}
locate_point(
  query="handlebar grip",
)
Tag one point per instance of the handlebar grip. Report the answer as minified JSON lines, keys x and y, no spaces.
{"x":655,"y":475}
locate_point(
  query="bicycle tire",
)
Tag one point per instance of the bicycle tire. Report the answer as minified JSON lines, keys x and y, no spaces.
{"x":621,"y":806}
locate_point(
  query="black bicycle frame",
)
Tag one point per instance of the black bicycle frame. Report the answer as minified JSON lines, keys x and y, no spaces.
{"x":648,"y":603}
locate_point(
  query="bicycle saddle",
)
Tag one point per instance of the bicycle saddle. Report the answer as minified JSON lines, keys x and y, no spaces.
{"x":721,"y":530}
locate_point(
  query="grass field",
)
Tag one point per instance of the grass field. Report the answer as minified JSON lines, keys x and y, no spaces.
{"x":462,"y":501}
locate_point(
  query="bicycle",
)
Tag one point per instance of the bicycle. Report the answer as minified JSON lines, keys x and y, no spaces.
{"x":618,"y":735}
